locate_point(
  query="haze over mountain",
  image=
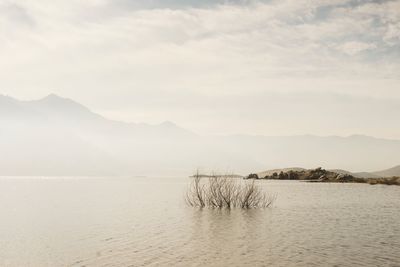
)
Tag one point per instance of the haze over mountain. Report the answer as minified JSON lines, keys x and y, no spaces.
{"x":57,"y":136}
{"x":395,"y":171}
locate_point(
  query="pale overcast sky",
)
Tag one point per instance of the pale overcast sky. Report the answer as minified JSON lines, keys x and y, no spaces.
{"x":326,"y":67}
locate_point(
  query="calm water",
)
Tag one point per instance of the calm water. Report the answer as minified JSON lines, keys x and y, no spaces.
{"x":144,"y":222}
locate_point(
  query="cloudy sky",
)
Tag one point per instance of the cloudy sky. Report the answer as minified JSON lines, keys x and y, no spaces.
{"x":326,"y":67}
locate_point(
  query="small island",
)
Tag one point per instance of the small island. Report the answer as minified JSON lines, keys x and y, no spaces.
{"x":320,"y":175}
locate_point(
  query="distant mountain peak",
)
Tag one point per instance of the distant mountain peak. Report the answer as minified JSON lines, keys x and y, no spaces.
{"x":58,"y":101}
{"x":56,"y":98}
{"x":56,"y":106}
{"x":52,"y":95}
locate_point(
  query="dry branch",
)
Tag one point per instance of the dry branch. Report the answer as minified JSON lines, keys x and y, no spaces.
{"x":224,"y":192}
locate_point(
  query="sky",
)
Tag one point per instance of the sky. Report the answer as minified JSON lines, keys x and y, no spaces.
{"x":324,"y":67}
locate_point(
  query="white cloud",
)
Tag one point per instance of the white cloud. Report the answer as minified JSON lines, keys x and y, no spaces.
{"x":102,"y":48}
{"x":353,"y":48}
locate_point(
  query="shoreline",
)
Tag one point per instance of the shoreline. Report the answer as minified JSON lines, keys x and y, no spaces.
{"x":320,"y":175}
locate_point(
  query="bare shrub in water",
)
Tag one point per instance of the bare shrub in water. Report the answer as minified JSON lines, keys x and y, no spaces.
{"x":252,"y":196}
{"x":195,"y":196}
{"x":225,"y":192}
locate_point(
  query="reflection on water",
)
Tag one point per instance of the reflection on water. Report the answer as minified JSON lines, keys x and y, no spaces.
{"x":144,"y":222}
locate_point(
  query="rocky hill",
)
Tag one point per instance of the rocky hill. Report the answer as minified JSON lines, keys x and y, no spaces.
{"x":322,"y":175}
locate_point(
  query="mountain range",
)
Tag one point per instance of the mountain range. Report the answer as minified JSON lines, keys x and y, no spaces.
{"x":56,"y":136}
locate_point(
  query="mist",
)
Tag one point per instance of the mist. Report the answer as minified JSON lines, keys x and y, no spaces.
{"x":57,"y":136}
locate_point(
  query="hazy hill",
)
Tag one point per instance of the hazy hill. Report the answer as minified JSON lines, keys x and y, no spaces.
{"x":57,"y":136}
{"x":395,"y":171}
{"x":365,"y":175}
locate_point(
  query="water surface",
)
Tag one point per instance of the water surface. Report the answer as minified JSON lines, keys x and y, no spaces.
{"x":145,"y":222}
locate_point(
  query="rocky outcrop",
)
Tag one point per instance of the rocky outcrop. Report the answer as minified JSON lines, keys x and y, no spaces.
{"x":322,"y":175}
{"x":252,"y":176}
{"x":318,"y":174}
